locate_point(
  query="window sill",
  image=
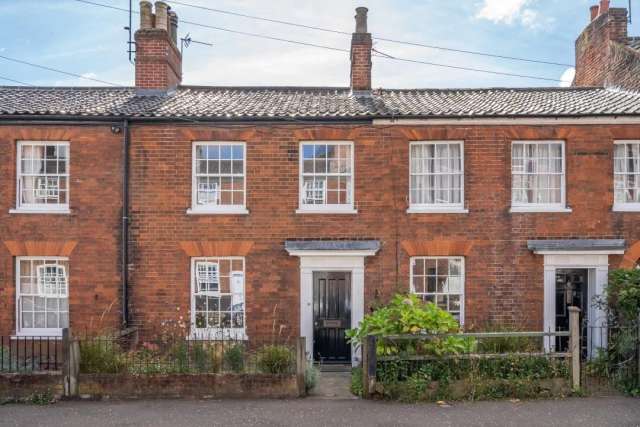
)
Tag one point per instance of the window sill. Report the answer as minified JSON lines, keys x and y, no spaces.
{"x":25,"y":335}
{"x":540,"y":209}
{"x":328,"y":211}
{"x":225,"y":211}
{"x":65,"y":211}
{"x":437,"y":210}
{"x":218,"y":334}
{"x":629,"y":207}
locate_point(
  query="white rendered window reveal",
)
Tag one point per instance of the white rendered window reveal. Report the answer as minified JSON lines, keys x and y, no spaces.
{"x":42,"y":296}
{"x":538,"y":176}
{"x":326,"y":177}
{"x":440,"y":280}
{"x":436,"y":176}
{"x":626,"y":175}
{"x":218,"y":298}
{"x":219,"y":177}
{"x":43,"y":176}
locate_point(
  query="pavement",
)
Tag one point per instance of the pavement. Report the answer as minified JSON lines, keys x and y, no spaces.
{"x":583,"y":412}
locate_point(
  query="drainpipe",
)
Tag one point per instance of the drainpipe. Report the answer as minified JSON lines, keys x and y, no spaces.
{"x":125,"y":227}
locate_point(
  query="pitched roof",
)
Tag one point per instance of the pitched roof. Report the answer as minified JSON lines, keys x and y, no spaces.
{"x":300,"y":103}
{"x":634,"y":43}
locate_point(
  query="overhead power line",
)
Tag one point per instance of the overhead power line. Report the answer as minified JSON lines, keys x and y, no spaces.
{"x":55,"y":70}
{"x":336,"y":49}
{"x":390,"y":40}
{"x":15,"y":81}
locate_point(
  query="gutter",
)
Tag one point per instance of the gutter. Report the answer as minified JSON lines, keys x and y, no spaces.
{"x":125,"y":225}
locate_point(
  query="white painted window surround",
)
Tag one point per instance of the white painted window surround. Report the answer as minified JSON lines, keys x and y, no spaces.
{"x":218,"y":178}
{"x":217,"y":298}
{"x":436,"y":177}
{"x":626,"y":176}
{"x":326,"y":177}
{"x":42,"y":296}
{"x":538,"y":176}
{"x":42,"y":177}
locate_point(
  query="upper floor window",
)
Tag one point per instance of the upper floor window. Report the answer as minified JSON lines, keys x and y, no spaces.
{"x":43,"y":176}
{"x":219,"y":178}
{"x":538,"y":176}
{"x":436,"y":177}
{"x":217,"y":298}
{"x":440,"y":280}
{"x":326,"y":177}
{"x":626,"y":175}
{"x":42,"y":295}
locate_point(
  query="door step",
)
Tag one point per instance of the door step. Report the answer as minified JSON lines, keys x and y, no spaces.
{"x":324,"y":367}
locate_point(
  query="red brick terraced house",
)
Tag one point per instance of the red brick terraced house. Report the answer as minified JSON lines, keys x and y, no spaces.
{"x":234,"y":209}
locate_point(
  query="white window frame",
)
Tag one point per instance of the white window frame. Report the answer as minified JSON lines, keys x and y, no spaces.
{"x":347,"y":208}
{"x":462,"y":274}
{"x":41,"y":208}
{"x":35,"y":332}
{"x":623,"y":206}
{"x":217,"y":333}
{"x":438,"y":207}
{"x":217,"y":209}
{"x":541,"y":207}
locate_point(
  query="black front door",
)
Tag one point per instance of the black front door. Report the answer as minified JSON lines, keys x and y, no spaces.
{"x":571,"y":290}
{"x":331,"y":316}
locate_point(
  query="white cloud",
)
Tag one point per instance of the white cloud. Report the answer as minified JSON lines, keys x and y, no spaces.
{"x":567,"y":77}
{"x":512,"y":12}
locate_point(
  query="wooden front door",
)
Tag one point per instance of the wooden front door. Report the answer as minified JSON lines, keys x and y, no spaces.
{"x":331,"y":316}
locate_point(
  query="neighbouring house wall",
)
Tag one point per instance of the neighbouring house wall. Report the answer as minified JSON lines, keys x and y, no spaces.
{"x":603,"y":57}
{"x":504,"y":280}
{"x":90,"y":235}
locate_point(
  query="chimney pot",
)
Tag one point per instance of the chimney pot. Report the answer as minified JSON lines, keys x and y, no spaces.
{"x":594,"y":11}
{"x":162,"y":18}
{"x":361,"y":19}
{"x":604,"y":6}
{"x":146,"y":15}
{"x":173,"y":26}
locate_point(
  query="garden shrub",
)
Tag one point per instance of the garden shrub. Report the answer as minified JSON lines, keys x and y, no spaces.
{"x":408,"y":314}
{"x":234,"y":358}
{"x":101,"y":356}
{"x":311,"y":374}
{"x":274,"y":359}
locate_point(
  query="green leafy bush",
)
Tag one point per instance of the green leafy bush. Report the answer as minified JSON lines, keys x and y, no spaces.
{"x":623,"y":294}
{"x":407,"y":314}
{"x":274,"y":359}
{"x":357,"y":388}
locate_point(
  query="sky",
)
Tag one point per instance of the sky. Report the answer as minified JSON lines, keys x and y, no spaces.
{"x":91,"y":41}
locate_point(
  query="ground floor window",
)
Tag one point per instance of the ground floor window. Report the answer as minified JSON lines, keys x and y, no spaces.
{"x":440,"y":280}
{"x":42,"y":295}
{"x":217,"y":297}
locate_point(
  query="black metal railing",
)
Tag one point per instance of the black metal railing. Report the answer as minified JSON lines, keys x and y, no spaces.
{"x":30,"y":354}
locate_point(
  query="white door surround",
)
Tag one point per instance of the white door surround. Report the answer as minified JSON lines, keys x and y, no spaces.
{"x":598,"y":272}
{"x":330,"y":260}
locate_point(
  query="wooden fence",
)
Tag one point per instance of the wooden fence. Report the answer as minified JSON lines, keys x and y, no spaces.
{"x":371,"y":359}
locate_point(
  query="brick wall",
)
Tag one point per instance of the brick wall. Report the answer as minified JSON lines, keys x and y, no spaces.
{"x":504,"y":280}
{"x":361,"y":44}
{"x":93,"y":225}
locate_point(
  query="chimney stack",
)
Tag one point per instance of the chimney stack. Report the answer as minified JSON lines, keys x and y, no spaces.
{"x":361,"y":45}
{"x":158,"y":59}
{"x":599,"y":46}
